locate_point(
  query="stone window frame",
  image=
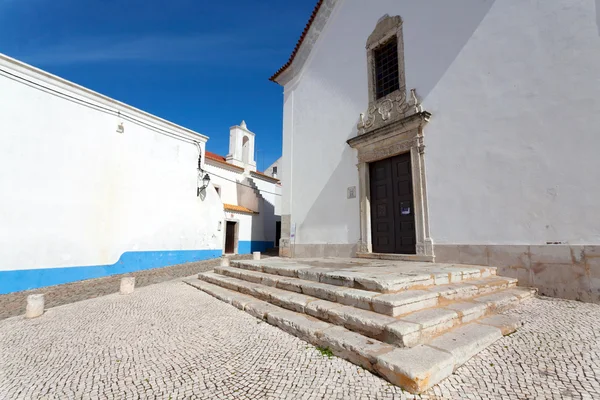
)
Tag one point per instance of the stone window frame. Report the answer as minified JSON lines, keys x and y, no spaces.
{"x":386,"y":28}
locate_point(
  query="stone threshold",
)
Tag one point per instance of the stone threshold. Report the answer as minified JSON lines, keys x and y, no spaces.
{"x":398,"y":257}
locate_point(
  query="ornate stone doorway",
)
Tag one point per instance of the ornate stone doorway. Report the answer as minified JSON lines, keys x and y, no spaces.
{"x":404,"y":136}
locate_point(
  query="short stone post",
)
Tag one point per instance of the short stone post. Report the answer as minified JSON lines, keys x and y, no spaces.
{"x":127,"y":285}
{"x":225,"y":262}
{"x":35,"y":305}
{"x":256,"y":255}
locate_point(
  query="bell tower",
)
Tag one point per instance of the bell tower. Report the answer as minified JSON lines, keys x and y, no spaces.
{"x":241,"y":147}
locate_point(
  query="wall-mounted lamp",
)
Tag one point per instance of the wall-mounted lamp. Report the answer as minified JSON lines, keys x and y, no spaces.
{"x":205,"y":178}
{"x":205,"y":182}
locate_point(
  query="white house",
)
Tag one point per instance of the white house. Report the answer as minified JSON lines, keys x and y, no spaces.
{"x":251,"y":199}
{"x":92,"y":187}
{"x":455,"y":131}
{"x":274,"y":170}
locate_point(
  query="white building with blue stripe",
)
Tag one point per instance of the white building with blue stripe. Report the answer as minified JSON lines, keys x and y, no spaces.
{"x":92,"y":187}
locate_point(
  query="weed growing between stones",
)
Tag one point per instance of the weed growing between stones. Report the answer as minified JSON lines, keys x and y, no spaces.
{"x":325,"y":351}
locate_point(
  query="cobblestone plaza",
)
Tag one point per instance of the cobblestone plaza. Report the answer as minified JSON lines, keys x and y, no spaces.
{"x":170,"y":340}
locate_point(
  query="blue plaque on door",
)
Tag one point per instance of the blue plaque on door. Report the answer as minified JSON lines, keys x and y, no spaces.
{"x":405,"y":208}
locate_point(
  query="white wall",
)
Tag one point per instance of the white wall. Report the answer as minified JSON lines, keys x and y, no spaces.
{"x":271,"y":206}
{"x":75,"y":192}
{"x":225,"y":178}
{"x":511,"y":147}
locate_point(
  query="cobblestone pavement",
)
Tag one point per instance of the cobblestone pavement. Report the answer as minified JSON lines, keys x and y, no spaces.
{"x":173,"y":341}
{"x":14,"y":303}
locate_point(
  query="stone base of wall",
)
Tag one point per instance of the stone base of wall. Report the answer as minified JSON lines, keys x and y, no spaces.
{"x":319,"y":250}
{"x":565,"y":271}
{"x":284,"y":241}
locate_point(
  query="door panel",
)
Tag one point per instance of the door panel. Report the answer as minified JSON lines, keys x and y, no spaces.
{"x":392,"y":208}
{"x":382,"y":207}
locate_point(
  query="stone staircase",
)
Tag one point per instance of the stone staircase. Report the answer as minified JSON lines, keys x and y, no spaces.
{"x":412,"y":323}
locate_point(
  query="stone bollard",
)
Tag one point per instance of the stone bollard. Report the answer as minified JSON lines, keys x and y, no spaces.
{"x":35,"y":305}
{"x":127,"y":285}
{"x":224,"y":262}
{"x":256,"y":255}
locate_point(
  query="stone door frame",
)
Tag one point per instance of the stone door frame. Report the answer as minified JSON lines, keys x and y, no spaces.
{"x":235,"y":235}
{"x":400,"y":137}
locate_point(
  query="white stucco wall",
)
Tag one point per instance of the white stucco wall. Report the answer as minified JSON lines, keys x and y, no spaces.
{"x":225,"y":178}
{"x":271,"y":194}
{"x":511,"y":147}
{"x":75,"y":192}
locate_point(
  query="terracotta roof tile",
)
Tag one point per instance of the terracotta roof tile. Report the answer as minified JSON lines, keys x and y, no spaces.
{"x":214,"y":156}
{"x":220,"y":159}
{"x":299,"y":43}
{"x":233,"y":207}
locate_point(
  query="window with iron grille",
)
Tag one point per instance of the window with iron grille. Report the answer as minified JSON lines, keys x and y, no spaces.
{"x":386,"y":68}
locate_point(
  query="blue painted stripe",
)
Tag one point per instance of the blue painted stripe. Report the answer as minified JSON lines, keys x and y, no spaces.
{"x":131,"y":261}
{"x":247,"y":247}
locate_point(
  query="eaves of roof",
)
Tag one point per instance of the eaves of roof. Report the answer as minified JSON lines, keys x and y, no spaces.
{"x":260,"y":175}
{"x":235,"y":208}
{"x":225,"y":164}
{"x":299,"y":43}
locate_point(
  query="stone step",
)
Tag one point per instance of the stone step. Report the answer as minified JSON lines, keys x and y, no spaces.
{"x":392,"y":304}
{"x":403,"y":331}
{"x":414,"y":369}
{"x":378,"y":278}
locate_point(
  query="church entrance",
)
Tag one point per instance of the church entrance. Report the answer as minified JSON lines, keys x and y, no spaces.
{"x":392,"y":208}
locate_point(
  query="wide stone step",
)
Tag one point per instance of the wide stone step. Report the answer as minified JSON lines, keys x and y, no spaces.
{"x":392,"y":304}
{"x":414,"y":369}
{"x":383,"y":278}
{"x":403,"y":331}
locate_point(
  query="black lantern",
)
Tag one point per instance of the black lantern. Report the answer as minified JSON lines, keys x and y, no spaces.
{"x":205,"y":182}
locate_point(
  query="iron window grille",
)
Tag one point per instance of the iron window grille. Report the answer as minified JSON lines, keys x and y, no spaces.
{"x":386,"y":68}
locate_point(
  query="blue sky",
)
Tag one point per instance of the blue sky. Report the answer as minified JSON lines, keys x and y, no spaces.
{"x":202,"y":64}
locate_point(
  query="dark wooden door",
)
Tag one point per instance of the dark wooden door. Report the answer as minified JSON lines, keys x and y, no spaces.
{"x":230,"y":237}
{"x":392,"y":208}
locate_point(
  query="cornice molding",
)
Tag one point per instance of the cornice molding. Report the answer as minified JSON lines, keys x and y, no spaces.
{"x":25,"y":71}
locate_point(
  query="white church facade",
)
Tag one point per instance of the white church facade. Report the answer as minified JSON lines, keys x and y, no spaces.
{"x":93,"y":187}
{"x":460,"y":132}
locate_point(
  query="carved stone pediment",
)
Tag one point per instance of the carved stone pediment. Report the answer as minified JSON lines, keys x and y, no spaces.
{"x":385,"y":26}
{"x":387,"y":110}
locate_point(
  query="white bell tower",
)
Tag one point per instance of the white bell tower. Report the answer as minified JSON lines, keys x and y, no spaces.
{"x":241,"y":147}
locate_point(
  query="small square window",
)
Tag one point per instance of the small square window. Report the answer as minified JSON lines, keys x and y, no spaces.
{"x":386,"y":68}
{"x":218,"y":189}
